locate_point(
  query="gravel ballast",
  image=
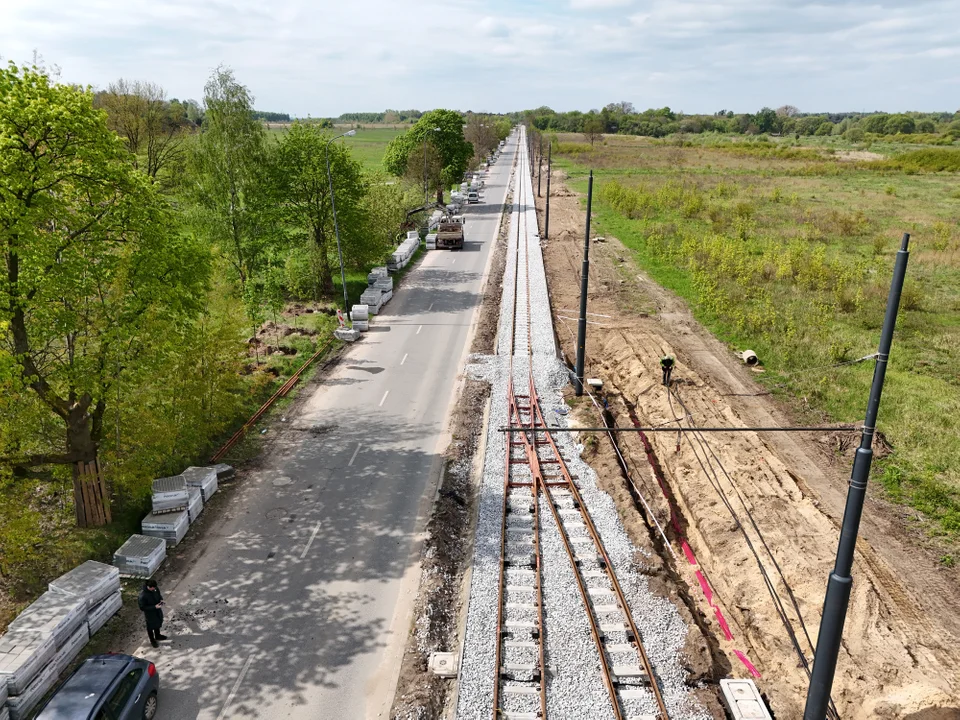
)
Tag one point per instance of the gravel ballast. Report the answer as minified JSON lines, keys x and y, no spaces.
{"x":575,"y":688}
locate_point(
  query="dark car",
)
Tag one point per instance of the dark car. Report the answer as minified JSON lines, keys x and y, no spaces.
{"x":106,"y":687}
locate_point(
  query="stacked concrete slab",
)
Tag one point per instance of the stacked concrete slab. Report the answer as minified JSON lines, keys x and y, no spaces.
{"x":92,"y":581}
{"x":172,"y":527}
{"x":98,"y":615}
{"x":205,"y":478}
{"x":196,"y":505}
{"x":432,"y":241}
{"x":223,"y":471}
{"x":140,"y":556}
{"x":39,"y":644}
{"x":170,"y":494}
{"x":373,"y":299}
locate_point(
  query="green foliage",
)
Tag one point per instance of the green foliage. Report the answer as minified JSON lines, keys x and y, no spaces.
{"x":300,"y":177}
{"x":236,"y":211}
{"x":926,"y":160}
{"x":455,"y":152}
{"x":97,"y":273}
{"x":825,"y":128}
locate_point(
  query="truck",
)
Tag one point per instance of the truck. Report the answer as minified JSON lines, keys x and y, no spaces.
{"x":450,"y":233}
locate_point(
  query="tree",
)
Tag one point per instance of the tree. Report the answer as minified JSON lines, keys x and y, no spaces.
{"x":766,"y":120}
{"x":299,"y":170}
{"x":140,"y":113}
{"x":899,"y":124}
{"x":826,"y":128}
{"x":94,"y":273}
{"x":786,"y":111}
{"x":593,"y":128}
{"x":455,"y":151}
{"x":229,"y":165}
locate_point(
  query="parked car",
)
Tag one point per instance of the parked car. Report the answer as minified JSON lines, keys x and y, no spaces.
{"x":106,"y":687}
{"x":473,"y":197}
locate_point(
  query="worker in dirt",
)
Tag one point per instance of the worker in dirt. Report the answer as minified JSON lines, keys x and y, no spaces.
{"x":151,"y":604}
{"x":666,"y":364}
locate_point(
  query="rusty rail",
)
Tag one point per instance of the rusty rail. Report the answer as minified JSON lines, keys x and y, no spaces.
{"x":281,"y":392}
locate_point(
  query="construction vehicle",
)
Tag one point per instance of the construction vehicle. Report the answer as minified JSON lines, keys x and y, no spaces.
{"x":450,"y":233}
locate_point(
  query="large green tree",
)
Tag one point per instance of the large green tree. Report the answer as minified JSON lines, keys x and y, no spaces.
{"x":229,"y":164}
{"x":442,"y":130}
{"x":93,"y":270}
{"x":301,"y":181}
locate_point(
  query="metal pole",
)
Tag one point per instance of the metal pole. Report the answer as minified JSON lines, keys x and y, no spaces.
{"x":336,"y":229}
{"x":840,"y":581}
{"x":539,"y":165}
{"x":584,"y":276}
{"x":425,"y":188}
{"x":546,"y":224}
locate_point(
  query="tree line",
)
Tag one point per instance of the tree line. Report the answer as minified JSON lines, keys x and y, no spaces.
{"x":142,"y":239}
{"x":623,"y":118}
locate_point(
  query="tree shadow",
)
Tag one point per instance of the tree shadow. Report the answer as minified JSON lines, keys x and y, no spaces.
{"x":298,"y":579}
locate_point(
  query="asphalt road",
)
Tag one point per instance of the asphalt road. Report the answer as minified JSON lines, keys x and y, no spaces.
{"x":300,"y":603}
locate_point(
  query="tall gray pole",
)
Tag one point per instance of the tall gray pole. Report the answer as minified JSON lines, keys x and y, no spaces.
{"x":336,"y":227}
{"x":584,"y":276}
{"x":840,"y":582}
{"x":546,"y":224}
{"x":539,"y":164}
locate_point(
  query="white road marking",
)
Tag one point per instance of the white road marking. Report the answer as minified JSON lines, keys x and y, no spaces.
{"x":310,"y":541}
{"x":419,"y":329}
{"x":404,"y":358}
{"x":430,"y":308}
{"x":354,"y":456}
{"x":383,"y":398}
{"x":236,"y":686}
{"x":454,"y":262}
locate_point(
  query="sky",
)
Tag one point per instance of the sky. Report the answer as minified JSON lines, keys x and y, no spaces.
{"x":324,"y":58}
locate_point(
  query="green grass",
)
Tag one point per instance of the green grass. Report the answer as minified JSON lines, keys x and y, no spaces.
{"x":790,"y":253}
{"x":367,"y":146}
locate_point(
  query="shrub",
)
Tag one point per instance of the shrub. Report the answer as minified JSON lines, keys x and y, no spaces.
{"x":826,"y":128}
{"x":926,"y":160}
{"x":854,"y":134}
{"x":912,"y":297}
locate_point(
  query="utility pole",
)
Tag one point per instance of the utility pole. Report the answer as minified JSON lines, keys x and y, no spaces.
{"x":840,"y":582}
{"x":584,"y":276}
{"x":539,"y":164}
{"x":546,"y":224}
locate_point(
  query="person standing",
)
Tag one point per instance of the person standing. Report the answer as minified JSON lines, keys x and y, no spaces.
{"x":151,"y":604}
{"x":666,"y":364}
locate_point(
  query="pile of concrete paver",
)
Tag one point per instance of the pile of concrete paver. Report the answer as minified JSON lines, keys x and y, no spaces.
{"x":46,"y":637}
{"x":379,"y":288}
{"x":49,"y":634}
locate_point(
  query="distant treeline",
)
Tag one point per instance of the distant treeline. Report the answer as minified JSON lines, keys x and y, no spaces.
{"x":622,"y":118}
{"x":271,"y":116}
{"x":387,"y":116}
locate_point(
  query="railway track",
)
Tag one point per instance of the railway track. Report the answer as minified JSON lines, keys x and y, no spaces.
{"x":539,"y":488}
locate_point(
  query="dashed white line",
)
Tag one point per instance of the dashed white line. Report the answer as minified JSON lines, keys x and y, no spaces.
{"x":419,"y":329}
{"x":236,"y":686}
{"x":354,"y":456}
{"x":430,"y":308}
{"x":383,"y":398}
{"x":454,"y":262}
{"x":404,"y":358}
{"x":310,"y":541}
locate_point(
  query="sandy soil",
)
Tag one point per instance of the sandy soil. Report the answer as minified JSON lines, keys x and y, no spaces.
{"x":901,"y":654}
{"x":852,"y":155}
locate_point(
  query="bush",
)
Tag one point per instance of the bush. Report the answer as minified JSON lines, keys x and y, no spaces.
{"x":854,"y":134}
{"x":826,"y":128}
{"x":927,"y":160}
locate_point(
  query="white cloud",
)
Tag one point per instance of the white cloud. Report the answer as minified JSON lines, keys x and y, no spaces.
{"x":304,"y":57}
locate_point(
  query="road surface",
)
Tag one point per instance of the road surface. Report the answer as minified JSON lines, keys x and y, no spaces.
{"x":300,"y":604}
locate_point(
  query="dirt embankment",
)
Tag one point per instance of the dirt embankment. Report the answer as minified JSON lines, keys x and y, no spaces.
{"x":779,"y":494}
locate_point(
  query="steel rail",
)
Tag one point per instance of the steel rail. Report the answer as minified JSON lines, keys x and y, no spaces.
{"x":514,"y":417}
{"x":607,"y":564}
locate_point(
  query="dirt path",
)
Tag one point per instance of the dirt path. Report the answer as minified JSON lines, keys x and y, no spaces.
{"x":901,"y":653}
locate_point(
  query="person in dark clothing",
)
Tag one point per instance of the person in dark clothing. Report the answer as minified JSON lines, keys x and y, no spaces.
{"x":151,"y":603}
{"x":666,"y":364}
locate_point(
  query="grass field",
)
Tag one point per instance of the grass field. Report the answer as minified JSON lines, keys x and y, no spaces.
{"x":367,"y":146}
{"x":789,"y":251}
